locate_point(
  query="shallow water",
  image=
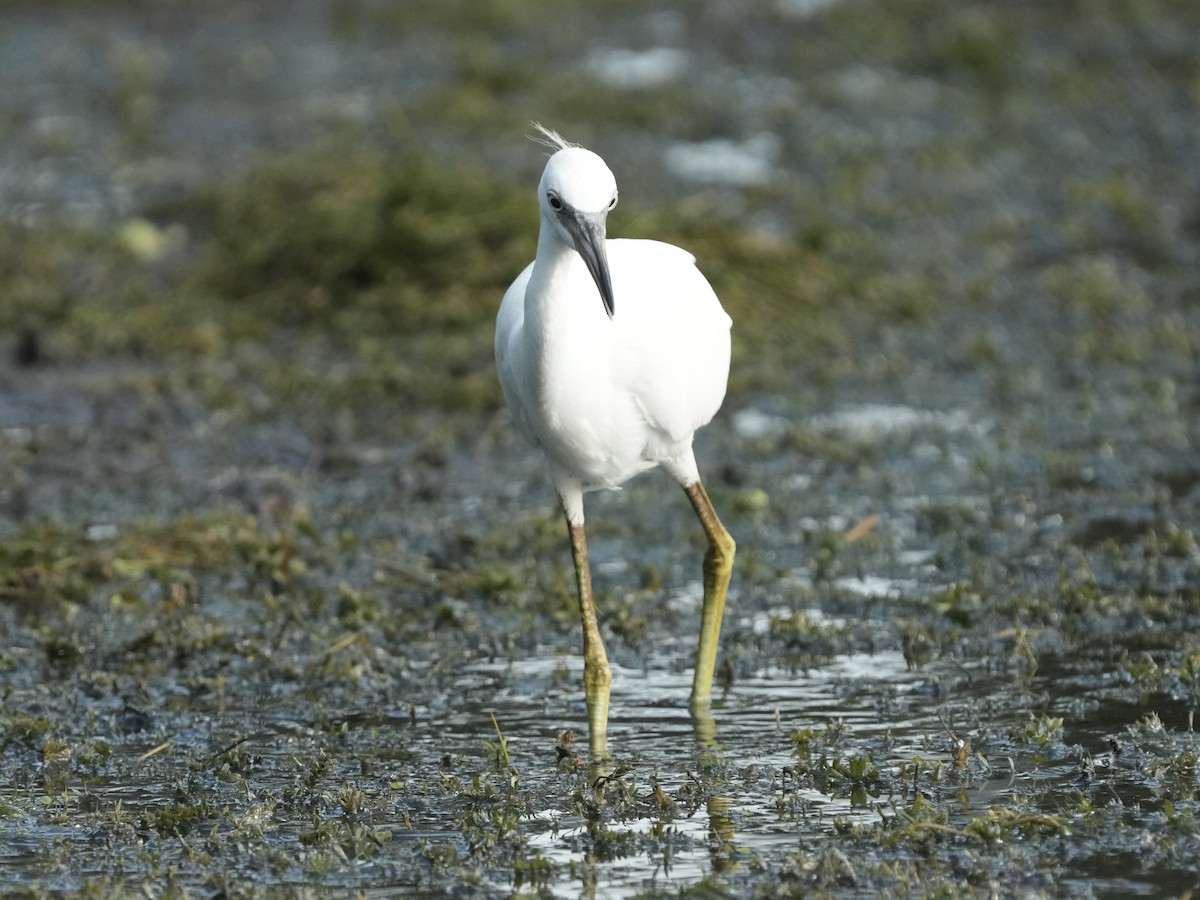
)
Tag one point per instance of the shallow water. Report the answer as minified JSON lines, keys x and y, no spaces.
{"x":741,"y":798}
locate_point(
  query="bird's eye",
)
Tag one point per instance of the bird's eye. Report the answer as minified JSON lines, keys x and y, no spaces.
{"x":555,"y":203}
{"x":613,"y":202}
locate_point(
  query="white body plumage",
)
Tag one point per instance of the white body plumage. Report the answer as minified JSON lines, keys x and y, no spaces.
{"x":607,"y":389}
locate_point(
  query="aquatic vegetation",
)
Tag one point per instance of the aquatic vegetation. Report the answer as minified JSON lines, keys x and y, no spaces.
{"x":1041,"y":731}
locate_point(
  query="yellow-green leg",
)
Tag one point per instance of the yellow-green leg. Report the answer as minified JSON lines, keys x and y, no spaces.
{"x":718,"y":566}
{"x":597,"y":677}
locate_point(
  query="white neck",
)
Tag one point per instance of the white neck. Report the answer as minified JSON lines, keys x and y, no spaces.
{"x":557,"y":271}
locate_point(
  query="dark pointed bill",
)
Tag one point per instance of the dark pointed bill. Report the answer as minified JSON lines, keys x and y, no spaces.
{"x":587,"y":230}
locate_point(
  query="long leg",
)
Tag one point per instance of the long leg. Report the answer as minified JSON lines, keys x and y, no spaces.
{"x":597,"y":677}
{"x":718,"y":566}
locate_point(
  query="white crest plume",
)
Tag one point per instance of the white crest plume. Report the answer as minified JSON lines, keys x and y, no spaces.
{"x":549,"y":138}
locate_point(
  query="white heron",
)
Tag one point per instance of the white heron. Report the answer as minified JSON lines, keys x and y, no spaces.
{"x":611,"y":354}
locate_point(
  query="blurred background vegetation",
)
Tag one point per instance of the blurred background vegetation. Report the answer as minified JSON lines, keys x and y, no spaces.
{"x":330,"y":198}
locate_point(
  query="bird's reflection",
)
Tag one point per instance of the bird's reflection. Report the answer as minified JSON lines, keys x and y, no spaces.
{"x":605,"y":776}
{"x":722,"y":840}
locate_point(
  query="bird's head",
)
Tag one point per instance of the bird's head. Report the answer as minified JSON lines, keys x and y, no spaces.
{"x":575,"y":194}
